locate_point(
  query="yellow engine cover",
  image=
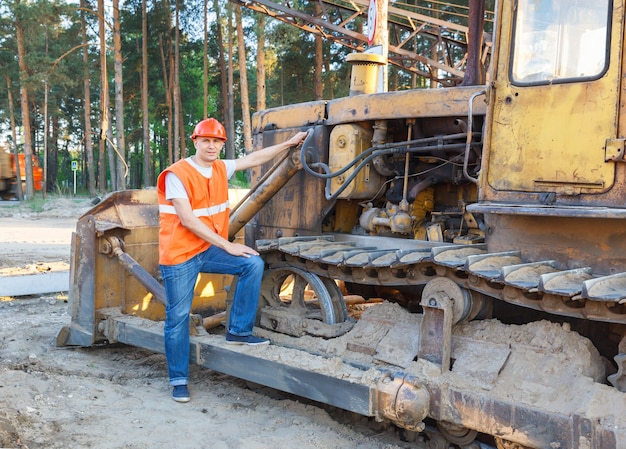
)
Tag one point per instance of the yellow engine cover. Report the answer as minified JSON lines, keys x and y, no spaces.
{"x":346,"y":143}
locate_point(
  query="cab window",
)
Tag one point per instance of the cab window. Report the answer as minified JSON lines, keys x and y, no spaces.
{"x":560,"y":40}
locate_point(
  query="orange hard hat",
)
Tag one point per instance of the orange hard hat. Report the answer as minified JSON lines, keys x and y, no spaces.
{"x":209,"y":128}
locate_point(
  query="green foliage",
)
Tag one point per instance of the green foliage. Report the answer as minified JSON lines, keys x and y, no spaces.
{"x":239,"y":180}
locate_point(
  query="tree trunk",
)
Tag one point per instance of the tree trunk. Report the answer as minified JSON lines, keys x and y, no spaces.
{"x":120,"y":165}
{"x":104,"y":100}
{"x":230,"y":122}
{"x":52,"y":152}
{"x":46,"y":127}
{"x":19,"y":191}
{"x":260,"y":63}
{"x":181,"y":121}
{"x":168,"y":96}
{"x":205,"y":61}
{"x":111,"y":150}
{"x":243,"y":83}
{"x":319,"y":60}
{"x":147,"y":159}
{"x":177,"y":132}
{"x":28,"y":143}
{"x":223,"y":70}
{"x":87,"y":105}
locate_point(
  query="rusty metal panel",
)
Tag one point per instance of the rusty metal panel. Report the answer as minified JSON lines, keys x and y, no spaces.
{"x":293,"y":116}
{"x":300,"y":204}
{"x":531,"y":427}
{"x":415,"y":103}
{"x":142,"y":244}
{"x":128,"y":208}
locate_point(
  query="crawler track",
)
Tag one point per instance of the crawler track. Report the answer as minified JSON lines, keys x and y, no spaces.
{"x":505,"y":276}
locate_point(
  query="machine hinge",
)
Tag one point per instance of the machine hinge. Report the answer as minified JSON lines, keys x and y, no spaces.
{"x":614,"y":150}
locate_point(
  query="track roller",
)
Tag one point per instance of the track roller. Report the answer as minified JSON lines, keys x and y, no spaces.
{"x":296,"y":302}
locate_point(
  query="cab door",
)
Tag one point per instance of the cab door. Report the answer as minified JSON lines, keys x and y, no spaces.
{"x":555,"y":97}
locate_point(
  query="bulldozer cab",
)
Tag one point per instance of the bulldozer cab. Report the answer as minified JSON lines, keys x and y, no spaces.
{"x":557,"y":67}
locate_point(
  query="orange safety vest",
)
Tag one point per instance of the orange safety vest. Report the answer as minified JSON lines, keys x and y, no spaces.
{"x":209,"y":202}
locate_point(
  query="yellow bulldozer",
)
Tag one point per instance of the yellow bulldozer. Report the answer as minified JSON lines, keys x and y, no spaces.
{"x":449,"y":260}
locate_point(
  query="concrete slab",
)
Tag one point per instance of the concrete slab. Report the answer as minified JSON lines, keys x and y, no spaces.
{"x":35,"y":284}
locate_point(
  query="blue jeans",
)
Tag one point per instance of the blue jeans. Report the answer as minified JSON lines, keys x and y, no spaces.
{"x":179,"y":282}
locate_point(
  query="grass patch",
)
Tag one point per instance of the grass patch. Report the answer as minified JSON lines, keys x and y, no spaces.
{"x":35,"y":204}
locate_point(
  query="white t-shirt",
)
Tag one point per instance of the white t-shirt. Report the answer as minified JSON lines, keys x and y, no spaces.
{"x":174,"y":187}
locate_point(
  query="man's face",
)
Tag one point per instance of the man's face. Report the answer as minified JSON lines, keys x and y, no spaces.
{"x":207,"y":149}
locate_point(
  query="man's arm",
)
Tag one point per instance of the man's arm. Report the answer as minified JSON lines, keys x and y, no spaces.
{"x":195,"y":225}
{"x":257,"y":158}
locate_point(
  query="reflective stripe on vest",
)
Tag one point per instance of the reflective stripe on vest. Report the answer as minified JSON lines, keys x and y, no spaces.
{"x":202,"y":212}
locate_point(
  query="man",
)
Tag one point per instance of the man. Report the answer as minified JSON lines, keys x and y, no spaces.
{"x":193,"y":239}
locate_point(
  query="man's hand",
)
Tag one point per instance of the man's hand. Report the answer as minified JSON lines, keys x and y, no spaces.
{"x":297,"y":139}
{"x":259,"y":157}
{"x":238,"y":249}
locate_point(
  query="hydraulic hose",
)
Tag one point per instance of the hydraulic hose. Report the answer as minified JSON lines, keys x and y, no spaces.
{"x":373,"y":152}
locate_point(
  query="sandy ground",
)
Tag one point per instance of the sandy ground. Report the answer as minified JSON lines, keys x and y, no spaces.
{"x":118,"y":396}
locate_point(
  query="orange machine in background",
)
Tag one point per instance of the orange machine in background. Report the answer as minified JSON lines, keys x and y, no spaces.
{"x":8,"y":174}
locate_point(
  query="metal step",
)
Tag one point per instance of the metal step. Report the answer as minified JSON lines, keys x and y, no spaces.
{"x":337,"y":255}
{"x":607,"y":288}
{"x":407,"y":257}
{"x":455,"y":256}
{"x":297,"y":247}
{"x":364,"y":258}
{"x":319,"y":250}
{"x":489,"y":266}
{"x":526,"y":276}
{"x":564,"y":283}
